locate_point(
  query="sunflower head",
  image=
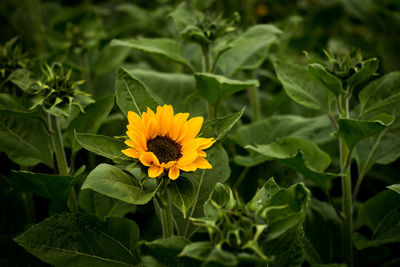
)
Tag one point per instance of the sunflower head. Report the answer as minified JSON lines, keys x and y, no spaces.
{"x":164,"y":141}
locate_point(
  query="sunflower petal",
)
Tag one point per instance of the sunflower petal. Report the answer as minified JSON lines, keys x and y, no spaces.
{"x":165,"y":115}
{"x":149,"y":159}
{"x":131,"y":152}
{"x":155,"y":171}
{"x":135,"y":120}
{"x":173,"y":173}
{"x":202,"y":163}
{"x":152,"y":128}
{"x":137,"y":140}
{"x":179,"y":119}
{"x":194,"y":126}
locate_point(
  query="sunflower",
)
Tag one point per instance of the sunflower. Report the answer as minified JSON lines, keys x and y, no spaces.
{"x":164,"y":141}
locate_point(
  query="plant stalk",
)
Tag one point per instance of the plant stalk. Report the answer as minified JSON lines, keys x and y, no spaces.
{"x":346,"y":192}
{"x":166,"y":215}
{"x":255,"y":102}
{"x":62,"y":160}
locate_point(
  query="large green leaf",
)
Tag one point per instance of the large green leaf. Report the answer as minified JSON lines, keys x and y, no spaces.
{"x":301,"y":86}
{"x":21,"y":78}
{"x":81,"y":239}
{"x":381,"y":149}
{"x":90,"y":121}
{"x":353,"y":131}
{"x":249,"y":50}
{"x":329,"y":80}
{"x":45,"y":185}
{"x":181,"y":193}
{"x":112,"y":182}
{"x":25,"y":140}
{"x":381,"y":94}
{"x":164,"y":250}
{"x":185,"y":14}
{"x":171,"y":88}
{"x":103,"y":206}
{"x":13,"y":104}
{"x":218,"y":128}
{"x":381,"y":215}
{"x":300,"y":154}
{"x":322,"y":220}
{"x":215,"y":87}
{"x":110,"y":58}
{"x":131,"y":94}
{"x":105,"y":146}
{"x":167,"y":48}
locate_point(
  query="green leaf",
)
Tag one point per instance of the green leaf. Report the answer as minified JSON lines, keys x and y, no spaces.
{"x":171,"y":88}
{"x":330,"y":81}
{"x":25,"y":140}
{"x":164,"y":249}
{"x":103,"y":206}
{"x":381,"y":215}
{"x":218,"y":128}
{"x":112,"y":182}
{"x":90,"y":121}
{"x":382,"y":149}
{"x":214,"y":87}
{"x":12,"y":104}
{"x":249,"y":50}
{"x":81,"y":239}
{"x":105,"y":146}
{"x":302,"y":155}
{"x":382,"y":94}
{"x":166,"y":48}
{"x":263,"y":195}
{"x":301,"y":86}
{"x":353,"y":131}
{"x":185,"y":14}
{"x":45,"y":185}
{"x":131,"y":94}
{"x":322,"y":220}
{"x":395,"y":188}
{"x":371,"y":65}
{"x":197,"y":250}
{"x":181,"y":193}
{"x":110,"y":58}
{"x":20,"y":78}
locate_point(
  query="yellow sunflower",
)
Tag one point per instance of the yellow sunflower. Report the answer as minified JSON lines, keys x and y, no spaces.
{"x":164,"y":141}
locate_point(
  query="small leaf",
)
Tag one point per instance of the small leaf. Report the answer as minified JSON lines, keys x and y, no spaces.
{"x":182,"y":195}
{"x":353,"y":131}
{"x":371,"y":65}
{"x":81,"y":239}
{"x":330,"y":81}
{"x":45,"y":185}
{"x":20,"y":77}
{"x":214,"y":87}
{"x":302,"y":155}
{"x":167,"y":48}
{"x":103,"y":206}
{"x":112,"y":182}
{"x":131,"y":94}
{"x":218,"y":128}
{"x":12,"y":104}
{"x":185,"y":14}
{"x":301,"y":86}
{"x":90,"y":121}
{"x":381,"y":215}
{"x":105,"y":146}
{"x":263,"y":195}
{"x":395,"y":188}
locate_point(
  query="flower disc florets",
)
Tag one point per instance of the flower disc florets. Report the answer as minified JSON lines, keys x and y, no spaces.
{"x":164,"y":141}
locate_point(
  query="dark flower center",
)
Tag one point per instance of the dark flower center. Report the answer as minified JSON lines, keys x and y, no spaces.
{"x":164,"y":148}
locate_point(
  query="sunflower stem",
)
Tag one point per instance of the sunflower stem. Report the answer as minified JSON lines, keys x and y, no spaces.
{"x":61,"y":159}
{"x":345,"y":159}
{"x":166,"y":214}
